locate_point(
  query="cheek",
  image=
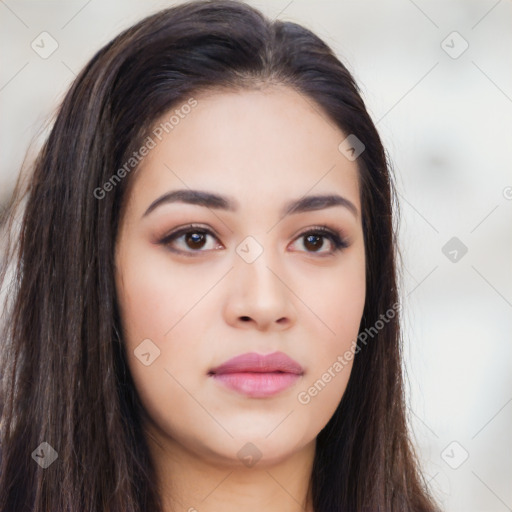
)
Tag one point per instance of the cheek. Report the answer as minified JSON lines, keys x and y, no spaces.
{"x":154,"y":299}
{"x":162,"y":334}
{"x":160,"y":338}
{"x":337,"y":299}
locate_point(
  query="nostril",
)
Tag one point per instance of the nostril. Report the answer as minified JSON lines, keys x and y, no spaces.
{"x":245,"y":318}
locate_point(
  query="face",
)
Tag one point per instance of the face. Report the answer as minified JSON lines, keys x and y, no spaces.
{"x":262,"y":271}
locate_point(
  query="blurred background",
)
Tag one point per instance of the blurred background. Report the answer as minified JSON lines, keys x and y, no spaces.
{"x":437,"y":79}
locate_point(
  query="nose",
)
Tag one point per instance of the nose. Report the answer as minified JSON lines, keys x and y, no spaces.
{"x":259,"y":295}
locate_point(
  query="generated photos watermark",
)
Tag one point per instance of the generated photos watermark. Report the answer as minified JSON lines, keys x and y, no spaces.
{"x":304,"y":397}
{"x":149,"y":143}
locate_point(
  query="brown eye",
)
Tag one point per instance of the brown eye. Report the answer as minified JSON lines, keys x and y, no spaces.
{"x":195,"y":240}
{"x":190,"y":240}
{"x":314,"y":240}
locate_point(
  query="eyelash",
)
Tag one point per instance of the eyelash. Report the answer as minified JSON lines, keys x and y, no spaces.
{"x":338,"y":241}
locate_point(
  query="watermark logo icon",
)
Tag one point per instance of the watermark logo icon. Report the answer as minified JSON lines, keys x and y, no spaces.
{"x":455,"y":455}
{"x":45,"y":455}
{"x":44,"y":45}
{"x":351,"y":147}
{"x":454,"y":45}
{"x":249,"y":249}
{"x":249,"y":454}
{"x":146,"y":352}
{"x":454,"y":249}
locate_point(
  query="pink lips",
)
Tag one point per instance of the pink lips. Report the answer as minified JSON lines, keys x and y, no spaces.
{"x":258,"y":376}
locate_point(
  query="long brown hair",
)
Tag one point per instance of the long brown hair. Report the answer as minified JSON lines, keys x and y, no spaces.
{"x":65,"y":379}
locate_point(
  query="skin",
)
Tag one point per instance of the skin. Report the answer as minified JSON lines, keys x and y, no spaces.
{"x":262,"y":147}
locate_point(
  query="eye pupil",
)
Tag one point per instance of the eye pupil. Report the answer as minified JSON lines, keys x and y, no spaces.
{"x":196,"y":238}
{"x":311,"y":238}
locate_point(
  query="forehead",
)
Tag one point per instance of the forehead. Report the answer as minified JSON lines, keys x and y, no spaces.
{"x":251,"y":144}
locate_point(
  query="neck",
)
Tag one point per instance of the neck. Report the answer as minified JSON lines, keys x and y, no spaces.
{"x":191,"y":483}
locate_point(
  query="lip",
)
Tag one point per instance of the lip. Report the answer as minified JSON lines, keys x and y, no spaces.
{"x":256,"y":375}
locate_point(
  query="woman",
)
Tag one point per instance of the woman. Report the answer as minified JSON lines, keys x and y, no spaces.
{"x":204,"y":311}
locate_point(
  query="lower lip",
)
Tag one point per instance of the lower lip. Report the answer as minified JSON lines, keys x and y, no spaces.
{"x":257,"y":385}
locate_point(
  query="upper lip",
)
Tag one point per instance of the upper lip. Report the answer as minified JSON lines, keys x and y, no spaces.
{"x":258,"y":363}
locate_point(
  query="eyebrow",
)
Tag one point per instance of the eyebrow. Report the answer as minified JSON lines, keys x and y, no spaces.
{"x":218,"y":202}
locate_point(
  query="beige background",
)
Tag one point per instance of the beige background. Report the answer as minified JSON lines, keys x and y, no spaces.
{"x":447,"y":124}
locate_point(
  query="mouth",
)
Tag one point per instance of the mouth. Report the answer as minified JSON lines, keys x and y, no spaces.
{"x":256,"y":375}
